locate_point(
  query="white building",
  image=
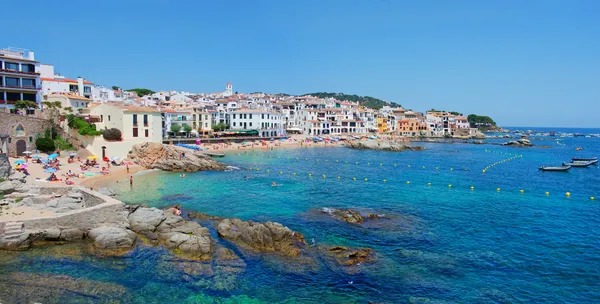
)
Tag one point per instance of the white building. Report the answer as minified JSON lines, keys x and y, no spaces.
{"x":267,"y":123}
{"x":19,"y":77}
{"x":228,"y":90}
{"x":54,"y":83}
{"x":73,"y":101}
{"x":176,"y":117}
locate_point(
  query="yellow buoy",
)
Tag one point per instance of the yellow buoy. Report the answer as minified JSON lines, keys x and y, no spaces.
{"x":280,"y":172}
{"x":339,"y":177}
{"x":354,"y":178}
{"x":250,"y":168}
{"x":568,"y":194}
{"x":483,"y":171}
{"x":381,"y":164}
{"x":408,"y":182}
{"x":409,"y":166}
{"x":449,"y":186}
{"x":326,"y":161}
{"x":436,"y":168}
{"x":357,"y":163}
{"x":294,"y":173}
{"x":309,"y":174}
{"x":497,"y":189}
{"x":268,"y":170}
{"x":428,"y":184}
{"x":394,"y":165}
{"x":324,"y":176}
{"x":592,"y":198}
{"x":366,"y":179}
{"x":423,"y":167}
{"x":336,"y":160}
{"x":257,"y":169}
{"x":269,"y":156}
{"x":451,"y":169}
{"x":296,"y":158}
{"x":384,"y":180}
{"x":472,"y":188}
{"x":547,"y":193}
{"x":522,"y":191}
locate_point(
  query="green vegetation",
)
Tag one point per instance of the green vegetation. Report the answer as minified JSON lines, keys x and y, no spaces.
{"x":45,"y":144}
{"x":83,"y":127}
{"x":187,"y":128}
{"x":63,"y":144}
{"x":366,"y":101}
{"x":141,"y":92}
{"x":451,"y":112}
{"x":115,"y":88}
{"x":26,"y":104}
{"x":175,"y":128}
{"x":1,"y":179}
{"x":18,"y":199}
{"x":220,"y":127}
{"x":481,"y":121}
{"x":112,"y":134}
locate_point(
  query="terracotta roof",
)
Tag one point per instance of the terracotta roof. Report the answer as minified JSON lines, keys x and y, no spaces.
{"x":70,"y":96}
{"x":64,"y":80}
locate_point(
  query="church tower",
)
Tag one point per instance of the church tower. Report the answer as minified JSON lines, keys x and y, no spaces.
{"x":228,"y":90}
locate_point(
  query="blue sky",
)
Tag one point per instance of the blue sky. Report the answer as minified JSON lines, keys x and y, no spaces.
{"x":523,"y":62}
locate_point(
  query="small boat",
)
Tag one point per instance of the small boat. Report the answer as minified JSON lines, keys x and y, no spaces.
{"x":548,"y":168}
{"x":585,"y":159}
{"x":578,"y":164}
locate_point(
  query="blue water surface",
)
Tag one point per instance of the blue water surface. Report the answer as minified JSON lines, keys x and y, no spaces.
{"x":464,"y":236}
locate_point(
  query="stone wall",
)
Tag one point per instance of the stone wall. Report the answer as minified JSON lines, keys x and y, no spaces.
{"x":32,"y":127}
{"x":106,"y":211}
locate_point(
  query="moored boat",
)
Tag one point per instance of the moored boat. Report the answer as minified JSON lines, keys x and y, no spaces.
{"x":579,"y":164}
{"x":594,"y":159}
{"x":550,"y":168}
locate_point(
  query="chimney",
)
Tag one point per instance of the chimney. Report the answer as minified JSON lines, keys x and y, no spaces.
{"x":31,"y":55}
{"x":80,"y":85}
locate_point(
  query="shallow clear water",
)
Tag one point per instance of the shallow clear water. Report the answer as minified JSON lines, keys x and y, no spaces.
{"x":454,"y":244}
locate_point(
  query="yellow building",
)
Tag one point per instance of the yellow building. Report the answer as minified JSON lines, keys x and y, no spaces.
{"x":382,"y":125}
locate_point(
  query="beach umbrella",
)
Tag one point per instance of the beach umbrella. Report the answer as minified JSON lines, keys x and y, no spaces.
{"x":115,"y":158}
{"x":52,"y":156}
{"x":89,"y":174}
{"x":23,"y":166}
{"x":92,"y":157}
{"x":36,"y":156}
{"x":19,"y":161}
{"x":27,"y":152}
{"x":50,"y":170}
{"x":73,"y":154}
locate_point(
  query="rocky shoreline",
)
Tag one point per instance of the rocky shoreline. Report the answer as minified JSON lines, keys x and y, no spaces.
{"x":172,"y":158}
{"x":382,"y":145}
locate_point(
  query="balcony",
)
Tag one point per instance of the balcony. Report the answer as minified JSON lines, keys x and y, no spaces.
{"x":22,"y":88}
{"x":18,"y":72}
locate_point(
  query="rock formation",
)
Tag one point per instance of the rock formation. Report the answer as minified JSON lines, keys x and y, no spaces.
{"x":384,"y":145}
{"x":5,"y":167}
{"x":518,"y":143}
{"x":187,"y":239}
{"x":349,"y":256}
{"x":169,"y":158}
{"x":112,"y":237}
{"x":262,"y":237}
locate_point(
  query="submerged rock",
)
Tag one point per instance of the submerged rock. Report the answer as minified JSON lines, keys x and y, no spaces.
{"x":384,"y":145}
{"x":112,"y":238}
{"x":169,"y":158}
{"x":350,"y":256}
{"x":262,"y":237}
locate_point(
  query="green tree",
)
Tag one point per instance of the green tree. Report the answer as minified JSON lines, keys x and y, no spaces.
{"x":187,"y":128}
{"x":141,"y":91}
{"x":69,"y":109}
{"x":220,"y":127}
{"x":115,"y":88}
{"x":26,"y":104}
{"x":175,"y":128}
{"x":366,"y":101}
{"x":45,"y":144}
{"x":480,"y":121}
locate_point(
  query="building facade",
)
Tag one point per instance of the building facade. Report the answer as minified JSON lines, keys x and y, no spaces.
{"x":19,"y":77}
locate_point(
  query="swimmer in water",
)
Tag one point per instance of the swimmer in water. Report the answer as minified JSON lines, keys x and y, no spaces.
{"x":182,"y":175}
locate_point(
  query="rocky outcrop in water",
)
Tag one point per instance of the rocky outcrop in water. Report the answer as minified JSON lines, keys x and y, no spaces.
{"x":518,"y":143}
{"x":112,"y":238}
{"x":262,"y":237}
{"x":187,"y":239}
{"x":383,"y":145}
{"x":350,"y":256}
{"x":170,"y":158}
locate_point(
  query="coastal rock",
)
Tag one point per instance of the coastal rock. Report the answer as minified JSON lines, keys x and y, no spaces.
{"x":345,"y":256}
{"x":169,"y":158}
{"x":383,"y":145}
{"x":186,"y":238}
{"x":5,"y":167}
{"x":112,"y":237}
{"x":8,"y":187}
{"x":144,"y":220}
{"x":262,"y":237}
{"x":71,"y":234}
{"x":518,"y":143}
{"x":17,"y":176}
{"x":107,"y":191}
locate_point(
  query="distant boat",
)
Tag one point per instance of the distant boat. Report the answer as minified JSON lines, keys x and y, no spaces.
{"x":548,"y":168}
{"x":585,"y":159}
{"x":579,"y":164}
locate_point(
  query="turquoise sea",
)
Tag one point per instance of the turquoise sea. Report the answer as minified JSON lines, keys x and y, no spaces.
{"x":451,"y":244}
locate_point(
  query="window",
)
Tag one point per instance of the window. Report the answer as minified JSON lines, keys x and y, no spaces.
{"x":234,"y":123}
{"x":251,"y":122}
{"x":87,"y":90}
{"x":29,"y":68}
{"x":29,"y":83}
{"x":146,"y":120}
{"x":13,"y":96}
{"x":146,"y":132}
{"x":233,"y":116}
{"x":30,"y":97}
{"x":250,"y":116}
{"x":11,"y":66}
{"x":12,"y":82}
{"x":262,"y":116}
{"x":108,"y":117}
{"x":30,"y":138}
{"x":73,"y":88}
{"x":245,"y":116}
{"x":101,"y":118}
{"x":135,"y":132}
{"x":135,"y":120}
{"x":19,"y":131}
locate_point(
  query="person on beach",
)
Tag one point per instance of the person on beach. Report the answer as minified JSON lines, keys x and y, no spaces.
{"x":131,"y":180}
{"x":177,"y":210}
{"x":127,"y":166}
